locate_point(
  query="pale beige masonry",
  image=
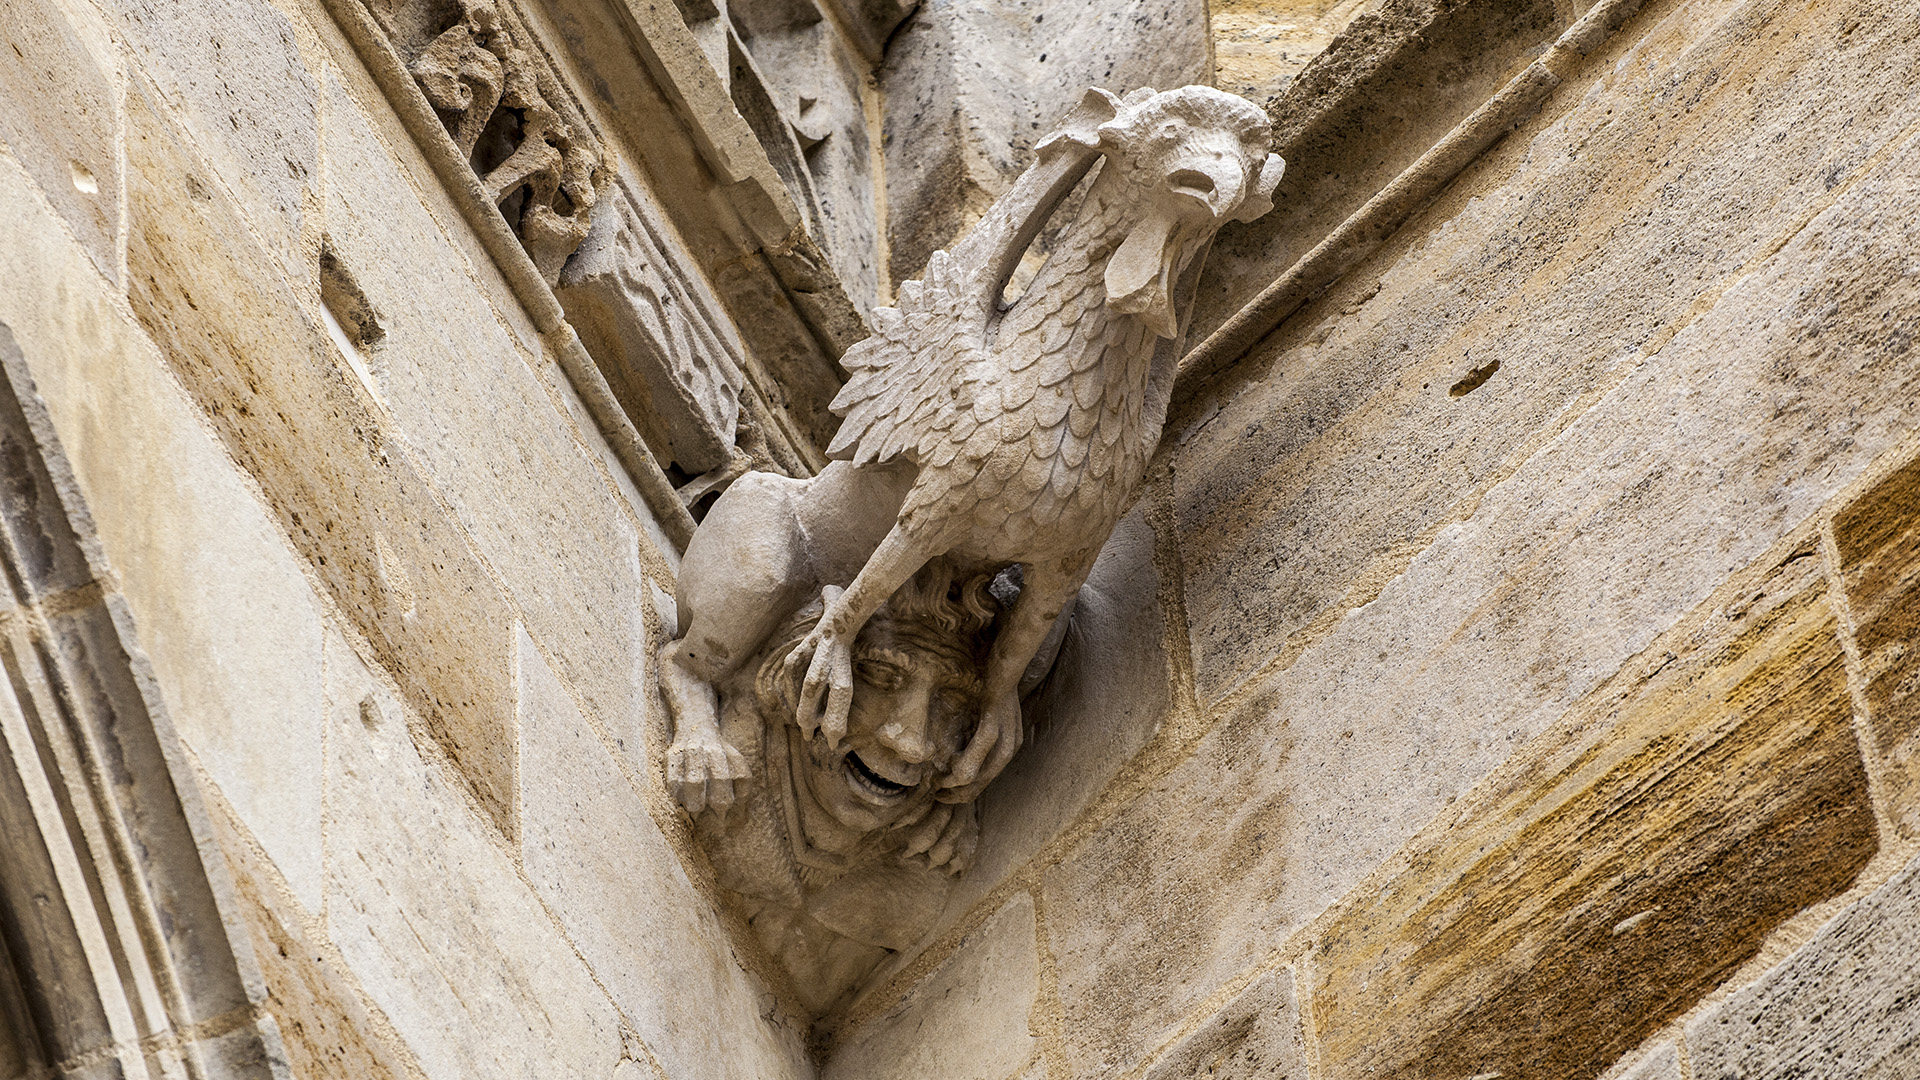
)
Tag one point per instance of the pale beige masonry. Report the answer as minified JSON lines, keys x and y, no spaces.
{"x":1507,"y":668}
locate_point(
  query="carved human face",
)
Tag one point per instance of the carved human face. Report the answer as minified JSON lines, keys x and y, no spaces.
{"x":913,"y":708}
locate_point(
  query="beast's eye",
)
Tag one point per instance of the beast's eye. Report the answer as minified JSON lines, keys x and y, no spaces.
{"x":1192,"y":180}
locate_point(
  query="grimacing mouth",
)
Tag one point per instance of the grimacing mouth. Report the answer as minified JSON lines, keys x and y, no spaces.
{"x":863,"y":776}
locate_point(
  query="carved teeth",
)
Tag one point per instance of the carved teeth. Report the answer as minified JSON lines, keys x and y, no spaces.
{"x":864,"y":776}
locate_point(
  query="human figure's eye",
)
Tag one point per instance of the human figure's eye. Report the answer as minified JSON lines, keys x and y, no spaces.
{"x":879,"y":674}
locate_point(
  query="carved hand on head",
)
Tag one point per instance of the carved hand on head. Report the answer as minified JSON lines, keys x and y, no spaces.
{"x":1195,"y":158}
{"x":826,"y":694}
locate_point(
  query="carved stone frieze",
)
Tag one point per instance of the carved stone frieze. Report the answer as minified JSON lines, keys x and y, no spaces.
{"x":669,"y":353}
{"x":501,"y":103}
{"x":856,"y":645}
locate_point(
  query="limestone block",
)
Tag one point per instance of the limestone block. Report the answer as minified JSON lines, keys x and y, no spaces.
{"x":223,"y":609}
{"x":59,"y":106}
{"x":971,"y":86}
{"x":433,"y":918}
{"x":506,"y":457}
{"x":1105,"y":699}
{"x":1847,"y":1004}
{"x":1257,"y":1035}
{"x":609,"y":876}
{"x":1561,"y":256}
{"x":1259,"y":45}
{"x":1690,"y":468}
{"x":232,"y":70}
{"x":1663,"y":1063}
{"x":327,"y":1029}
{"x":1878,"y":539}
{"x":282,"y":400}
{"x":965,"y":1021}
{"x":1598,"y":891}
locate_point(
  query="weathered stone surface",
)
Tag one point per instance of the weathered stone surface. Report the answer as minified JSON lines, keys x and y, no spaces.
{"x":1393,"y":82}
{"x":1597,"y":892}
{"x":232,"y":71}
{"x":968,"y":1020}
{"x":1847,"y":1004}
{"x":257,"y":361}
{"x":533,"y":503}
{"x":327,"y":1029}
{"x":1661,"y":1064}
{"x":1151,"y":914}
{"x":1566,"y":569}
{"x":1256,"y":1036}
{"x":60,"y":118}
{"x":1259,"y":45}
{"x":971,"y":86}
{"x":433,"y":918}
{"x":1586,"y":239}
{"x":607,"y":873}
{"x":1105,"y":699}
{"x":1878,"y":538}
{"x":224,"y":612}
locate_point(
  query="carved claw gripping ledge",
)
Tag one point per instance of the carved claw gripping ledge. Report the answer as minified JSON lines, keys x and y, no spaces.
{"x":858,"y":643}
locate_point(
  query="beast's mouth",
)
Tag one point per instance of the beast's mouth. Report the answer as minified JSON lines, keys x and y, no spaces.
{"x":872,"y":783}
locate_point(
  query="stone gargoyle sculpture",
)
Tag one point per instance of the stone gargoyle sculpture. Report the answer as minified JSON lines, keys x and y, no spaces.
{"x":856,"y":644}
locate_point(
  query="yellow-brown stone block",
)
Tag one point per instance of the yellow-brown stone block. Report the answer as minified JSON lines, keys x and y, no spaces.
{"x":1605,"y":887}
{"x":1878,"y":537}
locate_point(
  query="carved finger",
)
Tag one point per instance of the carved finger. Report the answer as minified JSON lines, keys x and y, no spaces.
{"x":965,"y":843}
{"x":814,"y":691}
{"x":967,"y":765}
{"x":839,"y":694}
{"x":693,"y":794}
{"x":929,"y":830}
{"x":719,"y":791}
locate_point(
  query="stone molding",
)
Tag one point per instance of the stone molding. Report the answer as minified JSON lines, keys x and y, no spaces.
{"x":120,"y":951}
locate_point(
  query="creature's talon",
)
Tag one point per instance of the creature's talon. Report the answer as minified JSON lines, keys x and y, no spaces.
{"x":705,"y":773}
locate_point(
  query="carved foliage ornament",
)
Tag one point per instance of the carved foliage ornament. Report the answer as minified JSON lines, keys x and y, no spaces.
{"x":503,"y":108}
{"x":856,"y":645}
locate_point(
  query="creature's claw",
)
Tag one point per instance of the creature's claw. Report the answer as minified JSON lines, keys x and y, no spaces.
{"x":826,"y":694}
{"x":705,"y":771}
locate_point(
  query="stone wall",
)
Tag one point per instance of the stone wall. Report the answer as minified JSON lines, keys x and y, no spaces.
{"x":1515,"y":672}
{"x":399,"y":596}
{"x":1505,"y":673}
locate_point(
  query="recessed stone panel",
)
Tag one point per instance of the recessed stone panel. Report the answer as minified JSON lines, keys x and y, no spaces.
{"x":1598,"y":892}
{"x":433,"y":917}
{"x":608,"y":873}
{"x":1878,"y":537}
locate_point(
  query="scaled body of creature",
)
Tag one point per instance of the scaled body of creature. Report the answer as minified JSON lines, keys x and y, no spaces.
{"x":984,"y":435}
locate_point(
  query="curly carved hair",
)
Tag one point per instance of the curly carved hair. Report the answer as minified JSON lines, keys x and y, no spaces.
{"x":938,"y":614}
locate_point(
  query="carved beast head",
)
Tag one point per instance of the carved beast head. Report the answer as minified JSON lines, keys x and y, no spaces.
{"x":1190,"y":160}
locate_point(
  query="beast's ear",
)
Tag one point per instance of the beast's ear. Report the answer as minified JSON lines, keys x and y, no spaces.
{"x":1260,"y":199}
{"x":1082,"y":126}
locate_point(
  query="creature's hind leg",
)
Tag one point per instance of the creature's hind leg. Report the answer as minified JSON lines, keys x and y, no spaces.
{"x":742,"y":574}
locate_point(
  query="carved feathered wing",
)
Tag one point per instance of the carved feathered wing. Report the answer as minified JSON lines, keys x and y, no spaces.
{"x":909,"y":383}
